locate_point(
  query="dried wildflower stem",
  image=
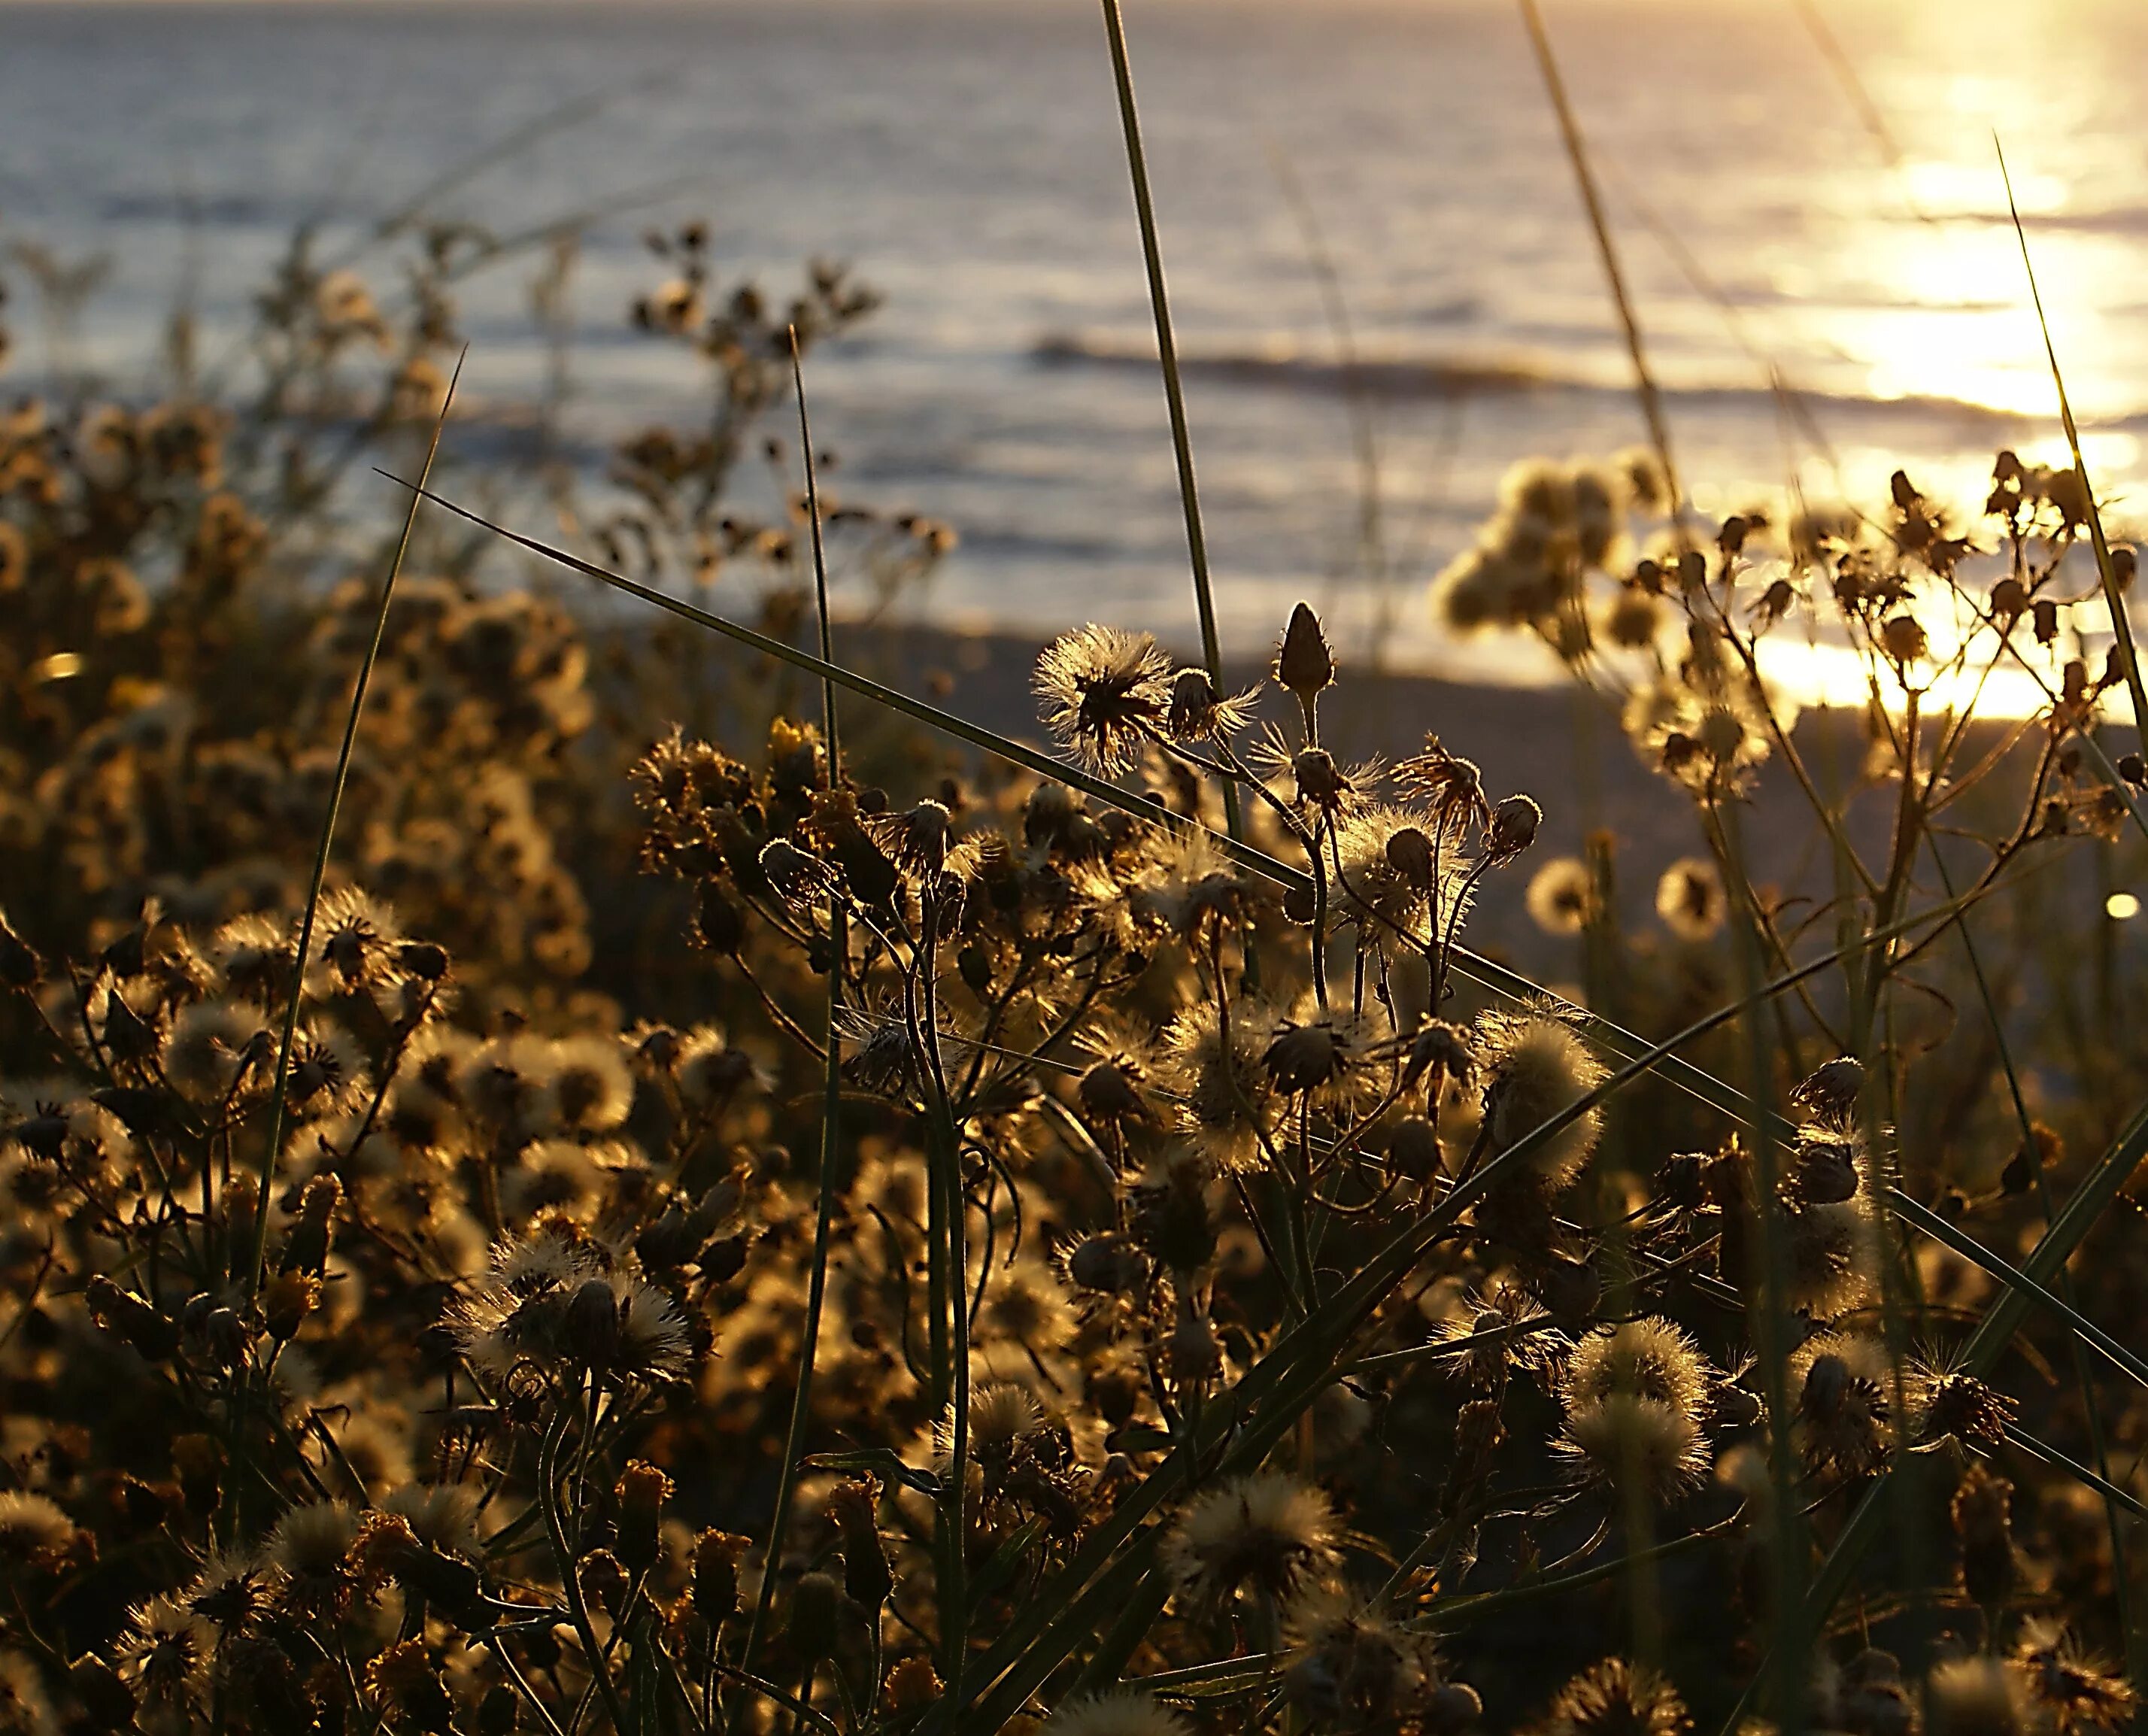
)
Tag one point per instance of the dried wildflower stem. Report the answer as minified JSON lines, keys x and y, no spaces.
{"x":563,"y":1556}
{"x":949,"y":1280}
{"x":1995,"y":1330}
{"x":289,"y":1038}
{"x":2063,"y":1302}
{"x":1576,"y":155}
{"x":817,"y":1291}
{"x":1769,"y":1320}
{"x":1174,"y":387}
{"x":1282,"y":1385}
{"x":1626,"y":1045}
{"x":2121,"y":625}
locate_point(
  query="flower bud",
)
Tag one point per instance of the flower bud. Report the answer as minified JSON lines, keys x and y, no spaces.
{"x":1303,"y":663}
{"x":866,"y":1576}
{"x":1409,"y":854}
{"x":286,"y":1300}
{"x":605,"y":1581}
{"x":715,"y":1586}
{"x":131,"y":1320}
{"x":1413,"y":1148}
{"x":592,"y":1323}
{"x":1513,"y":829}
{"x":1903,"y":639}
{"x":641,"y":1493}
{"x":816,"y":1603}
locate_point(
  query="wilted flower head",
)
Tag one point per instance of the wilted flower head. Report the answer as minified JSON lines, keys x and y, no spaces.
{"x":1616,"y":1698}
{"x":1842,"y":1391}
{"x":1266,"y":1533}
{"x":1533,"y":1068}
{"x":1115,"y":1711}
{"x":1562,"y":897}
{"x":1689,"y":898}
{"x":2076,"y":1690}
{"x":1104,"y":690}
{"x":1198,"y":713}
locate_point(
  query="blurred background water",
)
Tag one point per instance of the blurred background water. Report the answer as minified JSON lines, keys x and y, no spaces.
{"x":964,"y":155}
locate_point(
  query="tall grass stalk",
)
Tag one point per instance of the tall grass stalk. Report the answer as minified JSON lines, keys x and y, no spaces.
{"x":2121,"y":625}
{"x":1174,"y":386}
{"x":802,"y":1404}
{"x":1577,"y":155}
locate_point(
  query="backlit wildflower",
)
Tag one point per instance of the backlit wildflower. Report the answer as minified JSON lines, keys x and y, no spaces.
{"x":1104,"y":691}
{"x":1266,"y":1534}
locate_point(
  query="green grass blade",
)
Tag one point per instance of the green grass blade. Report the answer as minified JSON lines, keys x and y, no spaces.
{"x":290,"y":1032}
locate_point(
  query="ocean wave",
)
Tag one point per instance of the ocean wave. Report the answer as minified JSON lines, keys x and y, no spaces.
{"x":1276,"y":369}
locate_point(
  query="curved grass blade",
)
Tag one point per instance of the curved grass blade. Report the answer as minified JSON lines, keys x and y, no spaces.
{"x":1174,"y":387}
{"x":2121,"y":625}
{"x":290,"y":1032}
{"x":1973,"y":1250}
{"x":817,"y":1289}
{"x":1577,"y":153}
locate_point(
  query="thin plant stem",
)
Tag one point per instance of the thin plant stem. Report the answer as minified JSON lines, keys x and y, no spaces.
{"x":2121,"y":625}
{"x":1174,"y":387}
{"x":817,"y":1291}
{"x":1577,"y":154}
{"x":290,"y":1036}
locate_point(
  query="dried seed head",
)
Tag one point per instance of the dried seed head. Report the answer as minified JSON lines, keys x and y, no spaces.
{"x":1115,"y":1711}
{"x":1903,"y":639}
{"x":1103,"y":691}
{"x":1534,"y":1069}
{"x":1831,"y":1089}
{"x":2077,"y":1690}
{"x":1198,"y":713}
{"x":1689,"y":899}
{"x":1617,"y":1698}
{"x":1562,"y":897}
{"x":1267,"y":1533}
{"x":1305,"y":1057}
{"x":1413,"y":1148}
{"x":1976,"y":1697}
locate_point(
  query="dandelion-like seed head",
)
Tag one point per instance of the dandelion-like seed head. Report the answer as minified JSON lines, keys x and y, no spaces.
{"x":1533,"y":1068}
{"x":1115,"y":1711}
{"x":1268,"y":1534}
{"x":1615,"y":1698}
{"x":1104,"y":691}
{"x":1977,"y":1696}
{"x":1689,"y":899}
{"x":1562,"y":897}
